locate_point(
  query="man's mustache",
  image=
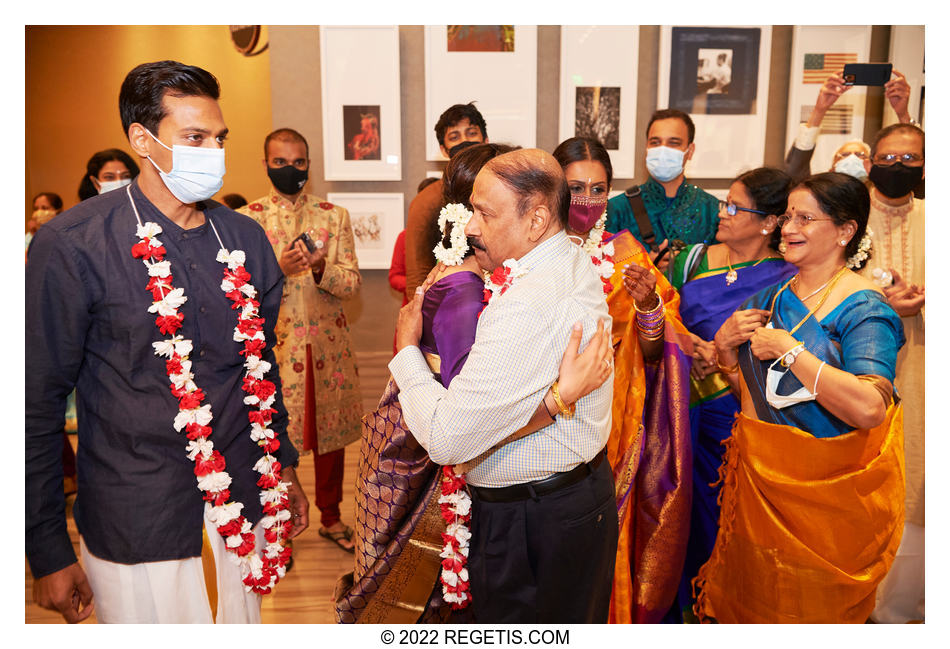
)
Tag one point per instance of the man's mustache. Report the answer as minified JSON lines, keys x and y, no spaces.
{"x":475,"y":242}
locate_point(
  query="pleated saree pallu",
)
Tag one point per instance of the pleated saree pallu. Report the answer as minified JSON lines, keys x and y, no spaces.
{"x":809,"y":526}
{"x":649,"y":450}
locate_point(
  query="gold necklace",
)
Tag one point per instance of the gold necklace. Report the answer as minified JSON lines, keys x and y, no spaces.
{"x":830,"y":284}
{"x":733,"y":274}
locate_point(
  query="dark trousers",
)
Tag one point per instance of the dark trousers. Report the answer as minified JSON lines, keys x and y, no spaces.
{"x":548,"y":559}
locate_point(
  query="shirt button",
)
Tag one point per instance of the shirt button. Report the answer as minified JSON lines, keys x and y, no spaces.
{"x":193,"y":266}
{"x":201,"y":353}
{"x":202,"y":309}
{"x":184,"y":236}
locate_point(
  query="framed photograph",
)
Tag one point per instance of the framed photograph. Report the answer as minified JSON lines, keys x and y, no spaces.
{"x":599,"y":89}
{"x":376,"y":219}
{"x":496,"y":66}
{"x":818,"y":52}
{"x":720,"y":76}
{"x":360,"y":84}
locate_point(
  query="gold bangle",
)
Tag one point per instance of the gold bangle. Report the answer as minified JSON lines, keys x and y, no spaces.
{"x":732,"y":369}
{"x":566,"y":411}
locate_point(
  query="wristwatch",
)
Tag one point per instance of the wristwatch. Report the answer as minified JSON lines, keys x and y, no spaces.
{"x":789,"y":357}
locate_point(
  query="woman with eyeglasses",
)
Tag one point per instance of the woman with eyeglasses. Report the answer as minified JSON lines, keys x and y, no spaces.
{"x":648,"y":446}
{"x":713,"y":281}
{"x":813,"y":475}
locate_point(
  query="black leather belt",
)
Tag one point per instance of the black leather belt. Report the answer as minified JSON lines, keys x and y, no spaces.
{"x":537,"y":488}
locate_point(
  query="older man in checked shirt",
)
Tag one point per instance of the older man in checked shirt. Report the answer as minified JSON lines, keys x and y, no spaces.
{"x":544,"y":522}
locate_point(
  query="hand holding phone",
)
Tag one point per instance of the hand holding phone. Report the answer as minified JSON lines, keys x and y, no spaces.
{"x":307,"y":241}
{"x":867,"y":74}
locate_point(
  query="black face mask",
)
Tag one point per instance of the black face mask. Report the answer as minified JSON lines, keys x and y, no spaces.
{"x":461,"y":146}
{"x":897,"y":180}
{"x":288,"y":179}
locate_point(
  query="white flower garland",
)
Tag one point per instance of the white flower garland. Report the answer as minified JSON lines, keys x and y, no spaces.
{"x":258,"y":573}
{"x":601,"y":251}
{"x":459,"y":216}
{"x":863,"y":248}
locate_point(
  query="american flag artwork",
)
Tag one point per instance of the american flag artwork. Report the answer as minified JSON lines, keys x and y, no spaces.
{"x":819,"y":67}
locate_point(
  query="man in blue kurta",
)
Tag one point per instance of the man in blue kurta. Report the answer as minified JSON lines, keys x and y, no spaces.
{"x":91,"y":326}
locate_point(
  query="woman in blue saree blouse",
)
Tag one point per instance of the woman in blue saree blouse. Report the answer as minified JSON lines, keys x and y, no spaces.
{"x":812,"y":500}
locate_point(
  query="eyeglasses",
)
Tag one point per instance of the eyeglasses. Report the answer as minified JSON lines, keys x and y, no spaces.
{"x":861,"y":155}
{"x":732,"y":208}
{"x":910,"y":159}
{"x":800,"y":220}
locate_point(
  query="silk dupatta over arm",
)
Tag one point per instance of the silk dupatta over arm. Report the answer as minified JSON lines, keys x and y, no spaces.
{"x":649,"y":449}
{"x":398,"y":526}
{"x":812,"y":511}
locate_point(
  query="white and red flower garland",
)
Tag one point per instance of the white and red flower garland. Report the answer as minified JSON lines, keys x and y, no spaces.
{"x":259,"y":573}
{"x":455,"y":506}
{"x":501,"y":278}
{"x":601,"y":252}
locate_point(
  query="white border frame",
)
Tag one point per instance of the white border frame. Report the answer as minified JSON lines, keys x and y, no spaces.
{"x":820,"y":39}
{"x":503,"y":85}
{"x":359,"y":65}
{"x":726,"y":145}
{"x":391,"y":206}
{"x":602,"y":55}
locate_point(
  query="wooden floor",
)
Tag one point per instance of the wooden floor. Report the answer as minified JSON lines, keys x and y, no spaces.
{"x":304,"y":595}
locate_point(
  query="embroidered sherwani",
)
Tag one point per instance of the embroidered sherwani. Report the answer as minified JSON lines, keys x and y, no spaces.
{"x":311,"y":314}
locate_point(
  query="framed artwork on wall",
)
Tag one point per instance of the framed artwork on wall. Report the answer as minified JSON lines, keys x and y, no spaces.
{"x":817,"y":52}
{"x":496,"y":66}
{"x":376,"y":219}
{"x":359,"y":68}
{"x":720,"y":76}
{"x":599,"y":89}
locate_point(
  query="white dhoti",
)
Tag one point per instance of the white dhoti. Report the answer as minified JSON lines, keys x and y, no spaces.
{"x":172,"y":592}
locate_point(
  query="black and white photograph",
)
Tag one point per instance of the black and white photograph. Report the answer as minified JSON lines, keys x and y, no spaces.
{"x":714,"y":70}
{"x":597,"y":115}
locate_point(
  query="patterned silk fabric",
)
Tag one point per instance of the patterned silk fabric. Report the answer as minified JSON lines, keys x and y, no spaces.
{"x":809,"y":526}
{"x":398,"y":525}
{"x":649,"y":450}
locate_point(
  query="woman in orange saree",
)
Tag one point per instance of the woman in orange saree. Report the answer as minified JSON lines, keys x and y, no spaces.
{"x":812,"y":496}
{"x":649,"y":446}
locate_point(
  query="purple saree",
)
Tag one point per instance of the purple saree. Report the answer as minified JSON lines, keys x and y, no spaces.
{"x":398,"y":527}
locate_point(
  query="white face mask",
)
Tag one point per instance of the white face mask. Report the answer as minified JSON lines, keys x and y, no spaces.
{"x":772,"y":379}
{"x":780,"y":401}
{"x":108,"y":185}
{"x":665,"y":163}
{"x":853,"y":166}
{"x":197,"y":172}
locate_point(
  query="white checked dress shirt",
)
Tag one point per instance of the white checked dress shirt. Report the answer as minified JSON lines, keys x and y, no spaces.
{"x":519,"y":343}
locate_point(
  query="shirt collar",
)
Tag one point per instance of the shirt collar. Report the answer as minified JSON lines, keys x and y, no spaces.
{"x":547,"y":249}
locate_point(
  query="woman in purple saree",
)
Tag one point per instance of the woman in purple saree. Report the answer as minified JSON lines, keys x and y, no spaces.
{"x":398,"y":524}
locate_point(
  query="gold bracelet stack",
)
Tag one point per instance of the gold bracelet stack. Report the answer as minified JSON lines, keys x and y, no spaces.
{"x":650,"y":323}
{"x":566,"y":411}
